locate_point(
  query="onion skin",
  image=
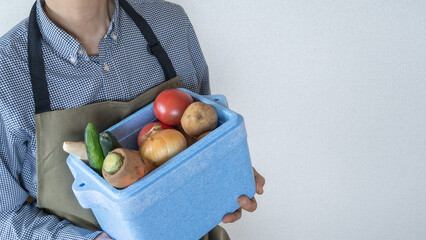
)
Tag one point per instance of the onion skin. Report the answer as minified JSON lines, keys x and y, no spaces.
{"x":149,"y":129}
{"x":133,"y":168}
{"x":162,"y":146}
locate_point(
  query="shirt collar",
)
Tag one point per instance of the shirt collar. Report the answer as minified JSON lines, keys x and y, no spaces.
{"x":66,"y":45}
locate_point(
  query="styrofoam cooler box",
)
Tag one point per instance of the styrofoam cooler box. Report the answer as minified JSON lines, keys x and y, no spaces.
{"x":182,"y":199}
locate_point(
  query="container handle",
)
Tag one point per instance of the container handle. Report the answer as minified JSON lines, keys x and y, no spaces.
{"x":86,"y":194}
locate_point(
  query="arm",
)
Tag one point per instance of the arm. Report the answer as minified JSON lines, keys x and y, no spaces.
{"x":28,"y":222}
{"x":22,"y":220}
{"x":198,"y":61}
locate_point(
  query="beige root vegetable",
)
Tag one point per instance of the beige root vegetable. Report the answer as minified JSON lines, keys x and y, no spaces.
{"x":123,"y":167}
{"x":203,"y":135}
{"x":189,"y":140}
{"x":198,"y":118}
{"x":162,"y":146}
{"x":77,"y":149}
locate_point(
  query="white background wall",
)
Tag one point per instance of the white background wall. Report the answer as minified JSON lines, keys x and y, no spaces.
{"x":334,"y":98}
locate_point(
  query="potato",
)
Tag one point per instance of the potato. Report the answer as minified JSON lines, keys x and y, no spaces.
{"x":189,"y":140}
{"x":198,"y":118}
{"x":203,"y":135}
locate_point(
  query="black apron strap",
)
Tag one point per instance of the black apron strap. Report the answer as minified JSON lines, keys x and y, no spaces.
{"x":36,"y":63}
{"x":154,"y":47}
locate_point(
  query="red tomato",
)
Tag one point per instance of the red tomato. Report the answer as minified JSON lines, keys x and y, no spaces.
{"x":148,"y":127}
{"x":170,"y":105}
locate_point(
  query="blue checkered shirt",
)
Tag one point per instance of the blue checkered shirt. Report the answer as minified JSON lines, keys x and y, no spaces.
{"x":123,"y":70}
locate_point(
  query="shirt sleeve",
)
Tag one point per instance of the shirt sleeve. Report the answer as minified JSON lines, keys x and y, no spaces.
{"x":199,"y":61}
{"x":19,"y":219}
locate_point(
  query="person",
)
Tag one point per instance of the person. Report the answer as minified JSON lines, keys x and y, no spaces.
{"x":68,"y":63}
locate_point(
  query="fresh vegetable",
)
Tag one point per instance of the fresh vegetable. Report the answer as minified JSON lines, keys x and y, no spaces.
{"x":189,"y":140}
{"x":77,"y":149}
{"x":147,"y":128}
{"x":93,"y":148}
{"x":170,"y":105}
{"x":108,"y":142}
{"x":203,"y":135}
{"x":198,"y":118}
{"x":123,"y":167}
{"x":162,"y":146}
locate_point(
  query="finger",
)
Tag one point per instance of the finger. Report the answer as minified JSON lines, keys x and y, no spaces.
{"x":232,"y":217}
{"x":260,"y":181}
{"x":259,"y":189}
{"x":247,"y":204}
{"x":260,"y":178}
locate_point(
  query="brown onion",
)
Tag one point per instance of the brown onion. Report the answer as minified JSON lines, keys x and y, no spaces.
{"x":162,"y":146}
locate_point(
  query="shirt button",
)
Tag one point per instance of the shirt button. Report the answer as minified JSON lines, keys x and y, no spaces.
{"x":73,"y":60}
{"x":114,"y":36}
{"x":80,"y":52}
{"x":106,"y":67}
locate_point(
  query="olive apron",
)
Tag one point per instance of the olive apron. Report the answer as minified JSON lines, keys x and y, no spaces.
{"x":54,"y":179}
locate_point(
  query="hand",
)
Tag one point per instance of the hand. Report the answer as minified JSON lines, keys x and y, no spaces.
{"x":245,"y":203}
{"x":103,"y":236}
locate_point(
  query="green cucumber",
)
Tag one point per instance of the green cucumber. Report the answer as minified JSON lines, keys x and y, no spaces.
{"x":108,"y":142}
{"x":93,"y":148}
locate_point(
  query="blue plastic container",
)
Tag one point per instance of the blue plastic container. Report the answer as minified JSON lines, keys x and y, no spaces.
{"x":182,"y":199}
